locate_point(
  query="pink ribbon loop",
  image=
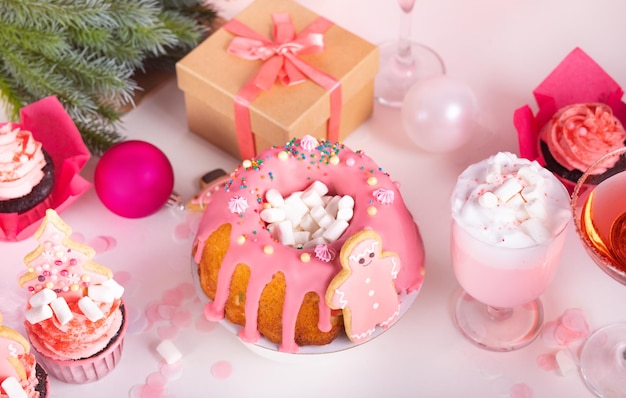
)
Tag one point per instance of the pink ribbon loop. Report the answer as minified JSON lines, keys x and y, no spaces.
{"x":280,"y":62}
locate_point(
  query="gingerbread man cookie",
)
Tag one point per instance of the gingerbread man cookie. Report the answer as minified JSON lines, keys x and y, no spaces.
{"x":364,"y":289}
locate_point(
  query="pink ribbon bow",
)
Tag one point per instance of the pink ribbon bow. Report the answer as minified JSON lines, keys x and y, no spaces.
{"x":281,"y":63}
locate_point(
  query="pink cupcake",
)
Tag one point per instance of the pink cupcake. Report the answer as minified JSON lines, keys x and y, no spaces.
{"x":75,"y":317}
{"x":20,"y":374}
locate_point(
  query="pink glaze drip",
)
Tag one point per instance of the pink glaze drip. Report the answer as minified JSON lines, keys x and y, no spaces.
{"x":289,"y":169}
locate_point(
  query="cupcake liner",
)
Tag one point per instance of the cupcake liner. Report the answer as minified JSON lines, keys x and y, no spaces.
{"x":577,"y":79}
{"x":53,"y":127}
{"x":88,"y":370}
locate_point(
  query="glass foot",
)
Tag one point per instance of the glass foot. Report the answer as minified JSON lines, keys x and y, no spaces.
{"x":497,"y":329}
{"x":398,"y":73}
{"x":603,"y":361}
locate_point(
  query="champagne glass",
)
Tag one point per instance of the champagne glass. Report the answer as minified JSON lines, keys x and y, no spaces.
{"x":404,"y":62}
{"x":505,"y":251}
{"x":599,"y":208}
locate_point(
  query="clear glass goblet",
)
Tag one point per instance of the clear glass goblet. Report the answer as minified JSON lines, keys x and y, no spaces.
{"x":508,"y":230}
{"x":403,"y":62}
{"x":599,"y":208}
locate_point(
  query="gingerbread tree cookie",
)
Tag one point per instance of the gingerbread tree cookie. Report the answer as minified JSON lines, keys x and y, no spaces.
{"x":364,"y":289}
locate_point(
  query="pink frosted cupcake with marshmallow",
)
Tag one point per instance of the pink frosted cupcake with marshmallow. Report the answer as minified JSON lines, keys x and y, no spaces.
{"x":75,"y":316}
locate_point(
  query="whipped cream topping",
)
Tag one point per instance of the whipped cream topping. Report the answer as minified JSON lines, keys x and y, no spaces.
{"x":510,"y":202}
{"x":579,"y":134}
{"x":21,"y":162}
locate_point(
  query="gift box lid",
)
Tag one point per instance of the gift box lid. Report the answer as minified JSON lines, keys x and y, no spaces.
{"x":211,"y":73}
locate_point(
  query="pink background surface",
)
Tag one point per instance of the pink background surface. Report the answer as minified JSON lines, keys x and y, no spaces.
{"x":502,"y":50}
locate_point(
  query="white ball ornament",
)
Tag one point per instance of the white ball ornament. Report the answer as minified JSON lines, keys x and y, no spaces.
{"x":439,"y":114}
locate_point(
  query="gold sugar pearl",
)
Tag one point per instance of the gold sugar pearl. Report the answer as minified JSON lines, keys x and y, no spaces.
{"x":283,"y":155}
{"x":305,"y":257}
{"x":50,"y":285}
{"x":241,"y":240}
{"x":74,"y":287}
{"x":268,"y":249}
{"x":334,"y":160}
{"x":372,"y":181}
{"x":247,"y":163}
{"x":85,"y":278}
{"x":372,"y":211}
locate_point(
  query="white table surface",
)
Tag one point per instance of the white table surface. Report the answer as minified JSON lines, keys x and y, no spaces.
{"x":502,"y":49}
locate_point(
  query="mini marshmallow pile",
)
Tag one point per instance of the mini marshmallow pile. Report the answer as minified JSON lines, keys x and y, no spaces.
{"x":45,"y":303}
{"x":510,"y":201}
{"x":307,"y":218}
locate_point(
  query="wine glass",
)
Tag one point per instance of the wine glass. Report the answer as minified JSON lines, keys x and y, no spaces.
{"x":404,"y":62}
{"x":503,"y":268}
{"x":599,"y":208}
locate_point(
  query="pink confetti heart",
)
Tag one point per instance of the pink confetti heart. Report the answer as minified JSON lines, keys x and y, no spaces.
{"x":182,"y":232}
{"x":567,"y":336}
{"x":173,"y":297}
{"x":165,"y":311}
{"x":204,"y":325}
{"x":547,"y":362}
{"x":103,"y":243}
{"x":521,"y":390}
{"x":167,"y":332}
{"x":171,"y":371}
{"x":222,"y":369}
{"x":574,"y":319}
{"x":157,"y":381}
{"x":182,"y":319}
{"x":187,"y":290}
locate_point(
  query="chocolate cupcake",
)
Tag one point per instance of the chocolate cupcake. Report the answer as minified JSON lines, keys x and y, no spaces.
{"x":576,"y":136}
{"x":26,"y":170}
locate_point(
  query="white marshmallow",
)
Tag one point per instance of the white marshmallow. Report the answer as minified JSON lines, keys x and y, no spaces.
{"x":272,"y":214}
{"x":308,"y":223}
{"x":38,"y":314}
{"x":493,"y":173}
{"x":284,"y":233}
{"x":318,"y":187}
{"x":61,"y":310}
{"x":102,"y":293}
{"x":118,"y":290}
{"x":169,"y":352}
{"x":345,"y":202}
{"x":508,"y":189}
{"x":294,"y":209}
{"x":314,"y":242}
{"x":301,"y":237}
{"x":318,"y":233}
{"x":42,"y":297}
{"x":536,"y":209}
{"x":318,"y":213}
{"x":90,"y":309}
{"x":530,"y":175}
{"x":273,"y":197}
{"x":345,"y":214}
{"x":536,"y":230}
{"x":335,"y":230}
{"x":532,"y":192}
{"x":488,"y":200}
{"x":566,"y":364}
{"x":332,"y":206}
{"x":13,"y":388}
{"x":312,"y":199}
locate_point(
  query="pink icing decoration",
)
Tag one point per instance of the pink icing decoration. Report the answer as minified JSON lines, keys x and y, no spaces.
{"x":21,"y":162}
{"x":324,"y":253}
{"x":579,"y":134}
{"x":368,"y":291}
{"x":238,"y":204}
{"x":384,"y":196}
{"x":393,"y":222}
{"x":308,"y":143}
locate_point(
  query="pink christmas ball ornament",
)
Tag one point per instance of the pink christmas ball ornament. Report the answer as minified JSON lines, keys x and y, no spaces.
{"x":439,"y":114}
{"x":134,"y":179}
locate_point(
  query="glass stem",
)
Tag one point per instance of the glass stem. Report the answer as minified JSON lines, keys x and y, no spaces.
{"x":404,"y":41}
{"x":499,"y":313}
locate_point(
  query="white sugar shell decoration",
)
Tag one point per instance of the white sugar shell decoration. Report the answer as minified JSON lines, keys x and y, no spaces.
{"x":308,"y":143}
{"x":238,"y":204}
{"x":384,"y":196}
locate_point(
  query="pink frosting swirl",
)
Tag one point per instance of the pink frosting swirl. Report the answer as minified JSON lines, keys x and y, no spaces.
{"x":579,"y":134}
{"x":79,"y":338}
{"x":21,"y":162}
